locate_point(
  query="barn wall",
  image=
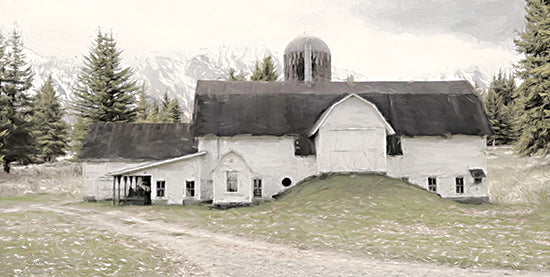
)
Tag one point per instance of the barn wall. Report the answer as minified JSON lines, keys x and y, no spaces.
{"x":270,"y":158}
{"x":232,"y":163}
{"x":175,"y":176}
{"x":443,"y":158}
{"x":353,"y":138}
{"x":97,"y":185}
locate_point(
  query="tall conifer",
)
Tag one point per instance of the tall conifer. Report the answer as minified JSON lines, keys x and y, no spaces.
{"x":15,"y":81}
{"x":534,"y":69}
{"x":104,"y":90}
{"x":50,"y":130}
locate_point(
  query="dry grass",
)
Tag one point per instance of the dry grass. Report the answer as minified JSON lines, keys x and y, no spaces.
{"x":36,"y":243}
{"x":518,"y":179}
{"x":61,"y":178}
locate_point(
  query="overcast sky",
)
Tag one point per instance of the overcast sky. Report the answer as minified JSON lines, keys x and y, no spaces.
{"x":380,"y":39}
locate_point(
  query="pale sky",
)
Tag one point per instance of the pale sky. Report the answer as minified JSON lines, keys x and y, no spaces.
{"x":377,"y":38}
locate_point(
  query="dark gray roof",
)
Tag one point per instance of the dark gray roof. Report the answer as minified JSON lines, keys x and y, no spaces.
{"x":228,"y":108}
{"x":299,"y":45}
{"x":137,"y":141}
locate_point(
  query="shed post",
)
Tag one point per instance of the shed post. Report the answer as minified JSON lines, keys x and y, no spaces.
{"x":114,"y":194}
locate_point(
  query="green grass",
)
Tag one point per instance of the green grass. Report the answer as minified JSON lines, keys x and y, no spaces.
{"x":364,"y":215}
{"x":377,"y":216}
{"x":46,"y":244}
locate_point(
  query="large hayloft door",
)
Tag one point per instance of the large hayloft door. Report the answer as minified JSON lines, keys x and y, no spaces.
{"x":356,"y":150}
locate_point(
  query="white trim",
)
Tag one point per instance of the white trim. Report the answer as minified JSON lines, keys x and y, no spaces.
{"x":227,"y":154}
{"x":154,"y":164}
{"x":325,"y":115}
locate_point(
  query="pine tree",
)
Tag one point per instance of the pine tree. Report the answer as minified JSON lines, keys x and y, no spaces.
{"x":15,"y":81}
{"x":143,"y":110}
{"x":534,"y":69}
{"x":104,"y":90}
{"x":163,"y":115}
{"x":233,"y":76}
{"x":50,"y":130}
{"x":265,"y":71}
{"x":175,"y":111}
{"x":500,"y":111}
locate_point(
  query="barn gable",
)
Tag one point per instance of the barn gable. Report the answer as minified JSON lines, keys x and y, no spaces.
{"x":358,"y":114}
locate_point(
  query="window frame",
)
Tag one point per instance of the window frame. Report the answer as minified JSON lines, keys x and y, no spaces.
{"x":432,"y":186}
{"x":257,"y":188}
{"x":187,"y":183}
{"x":459,"y":186}
{"x":229,"y":186}
{"x":161,"y":188}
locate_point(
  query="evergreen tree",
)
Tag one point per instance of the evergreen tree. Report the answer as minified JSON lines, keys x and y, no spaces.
{"x":15,"y":81}
{"x":143,"y":109}
{"x":104,"y":90}
{"x":175,"y":111}
{"x":163,"y":115}
{"x":534,"y":69}
{"x":50,"y":130}
{"x":233,"y":76}
{"x":500,"y":119}
{"x":154,"y":115}
{"x":265,"y":71}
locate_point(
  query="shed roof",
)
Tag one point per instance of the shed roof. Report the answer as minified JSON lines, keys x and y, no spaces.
{"x":137,"y":141}
{"x":229,"y":108}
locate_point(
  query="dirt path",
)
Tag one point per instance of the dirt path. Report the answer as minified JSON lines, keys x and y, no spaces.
{"x":204,"y":253}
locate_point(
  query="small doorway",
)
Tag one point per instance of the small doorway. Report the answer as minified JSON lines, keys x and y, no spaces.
{"x":139,"y":192}
{"x":146,"y":183}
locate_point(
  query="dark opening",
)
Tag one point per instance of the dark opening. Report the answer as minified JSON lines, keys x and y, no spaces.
{"x":190,"y":188}
{"x":459,"y":184}
{"x":393,"y":145}
{"x":161,"y":185}
{"x":286,"y":182}
{"x":257,"y":187}
{"x":432,"y":184}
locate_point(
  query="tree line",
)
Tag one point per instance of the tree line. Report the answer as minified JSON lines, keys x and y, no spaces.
{"x":521,"y":115}
{"x":32,"y":127}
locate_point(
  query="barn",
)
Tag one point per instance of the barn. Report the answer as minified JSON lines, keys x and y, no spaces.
{"x":249,"y":141}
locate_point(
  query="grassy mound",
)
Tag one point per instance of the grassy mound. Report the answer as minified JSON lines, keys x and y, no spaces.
{"x":387,"y":218}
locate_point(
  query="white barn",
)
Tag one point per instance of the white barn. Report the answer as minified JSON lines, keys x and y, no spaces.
{"x":252,"y":140}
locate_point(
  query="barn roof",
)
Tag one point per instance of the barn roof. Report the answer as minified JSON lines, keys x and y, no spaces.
{"x":137,"y":141}
{"x":229,"y":108}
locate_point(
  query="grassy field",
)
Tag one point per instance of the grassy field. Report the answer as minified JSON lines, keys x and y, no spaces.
{"x":364,"y":215}
{"x":48,"y":244}
{"x":384,"y":218}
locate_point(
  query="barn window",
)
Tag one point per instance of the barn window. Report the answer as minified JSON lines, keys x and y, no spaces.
{"x":459,"y":184}
{"x":161,"y":185}
{"x":432,"y":184}
{"x":286,"y":182}
{"x":232,"y":181}
{"x":257,"y":187}
{"x":393,"y":145}
{"x":477,"y":174}
{"x":190,"y":188}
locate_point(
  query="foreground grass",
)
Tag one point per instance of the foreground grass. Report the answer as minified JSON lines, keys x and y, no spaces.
{"x":376,"y":216}
{"x":364,"y":215}
{"x":47,"y":244}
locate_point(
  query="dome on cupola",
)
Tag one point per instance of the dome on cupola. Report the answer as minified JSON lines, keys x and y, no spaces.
{"x":307,"y":59}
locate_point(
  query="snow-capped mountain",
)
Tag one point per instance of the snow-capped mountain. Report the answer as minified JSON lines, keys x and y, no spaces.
{"x":177,"y":73}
